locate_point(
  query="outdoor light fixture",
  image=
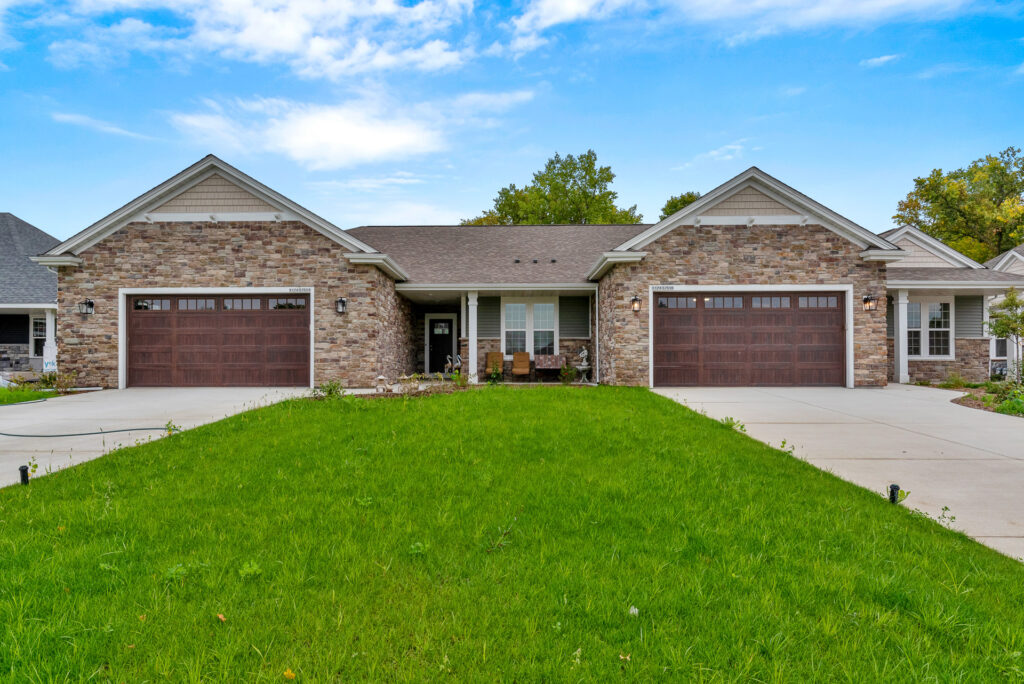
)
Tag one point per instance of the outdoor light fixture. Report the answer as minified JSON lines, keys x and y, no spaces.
{"x":86,"y":306}
{"x":341,"y":306}
{"x":635,"y":303}
{"x":870,"y":302}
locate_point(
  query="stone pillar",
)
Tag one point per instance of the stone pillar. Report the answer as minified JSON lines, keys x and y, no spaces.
{"x":901,"y":365}
{"x":50,"y":346}
{"x":471,"y":334}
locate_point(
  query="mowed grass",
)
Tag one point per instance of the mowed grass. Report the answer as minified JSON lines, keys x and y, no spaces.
{"x":16,"y":395}
{"x":500,"y":534}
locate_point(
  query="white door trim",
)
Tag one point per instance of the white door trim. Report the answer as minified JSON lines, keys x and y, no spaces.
{"x":426,"y":338}
{"x":122,"y":316}
{"x":847,"y":290}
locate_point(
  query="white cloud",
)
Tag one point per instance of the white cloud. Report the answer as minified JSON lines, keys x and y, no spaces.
{"x":401,"y":213}
{"x":793,"y":91}
{"x":398,"y":179}
{"x":727,"y":152}
{"x":96,"y":125}
{"x":315,"y":38}
{"x":940,"y":70}
{"x":334,"y":136}
{"x":738,"y":20}
{"x":874,"y":62}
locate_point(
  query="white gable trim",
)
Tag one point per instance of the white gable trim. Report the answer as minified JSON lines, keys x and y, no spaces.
{"x":777,"y":190}
{"x":609,"y":259}
{"x":381,"y":261}
{"x":932,"y":246}
{"x":179,"y":183}
{"x":1006,"y":259}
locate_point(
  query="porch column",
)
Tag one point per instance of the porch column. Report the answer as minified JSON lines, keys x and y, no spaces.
{"x":50,"y":345}
{"x":471,"y":334}
{"x":902,"y":367}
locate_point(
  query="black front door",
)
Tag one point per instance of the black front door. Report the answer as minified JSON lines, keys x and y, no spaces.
{"x":440,"y":337}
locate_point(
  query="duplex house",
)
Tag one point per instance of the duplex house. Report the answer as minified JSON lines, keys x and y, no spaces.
{"x":212,"y":278}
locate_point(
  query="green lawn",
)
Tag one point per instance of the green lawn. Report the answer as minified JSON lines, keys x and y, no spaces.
{"x":500,"y":534}
{"x":16,"y":395}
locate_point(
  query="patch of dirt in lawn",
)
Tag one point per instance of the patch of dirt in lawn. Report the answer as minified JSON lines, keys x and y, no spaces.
{"x":973,"y":399}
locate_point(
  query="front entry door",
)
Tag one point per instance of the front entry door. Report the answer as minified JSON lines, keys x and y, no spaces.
{"x":440,"y":339}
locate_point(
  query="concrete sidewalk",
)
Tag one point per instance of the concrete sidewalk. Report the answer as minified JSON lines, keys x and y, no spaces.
{"x":134,"y":408}
{"x":946,"y":455}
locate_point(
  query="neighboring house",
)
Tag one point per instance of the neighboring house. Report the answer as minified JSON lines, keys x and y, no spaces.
{"x":28,"y":296}
{"x":1004,"y":353}
{"x":212,"y":278}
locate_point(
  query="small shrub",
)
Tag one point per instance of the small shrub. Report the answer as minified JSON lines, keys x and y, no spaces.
{"x":953,"y":381}
{"x":331,"y":389}
{"x":494,"y":374}
{"x":1011,"y":407}
{"x":567,"y":374}
{"x":61,"y":383}
{"x":458,"y":379}
{"x":734,"y":423}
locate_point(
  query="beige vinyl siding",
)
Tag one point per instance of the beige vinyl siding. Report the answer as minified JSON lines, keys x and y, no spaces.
{"x":574,"y":317}
{"x":1016,"y":266}
{"x":918,"y":257}
{"x":749,"y":202}
{"x":969,"y":316}
{"x":215,"y":194}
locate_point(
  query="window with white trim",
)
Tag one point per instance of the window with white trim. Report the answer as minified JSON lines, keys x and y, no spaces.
{"x":930,"y":328}
{"x":1000,"y":351}
{"x":529,"y":325}
{"x":38,"y":336}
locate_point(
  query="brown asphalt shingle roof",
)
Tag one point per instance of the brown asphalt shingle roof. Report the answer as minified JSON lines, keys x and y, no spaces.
{"x":967,"y":275}
{"x":487,"y":254}
{"x":1019,"y":249}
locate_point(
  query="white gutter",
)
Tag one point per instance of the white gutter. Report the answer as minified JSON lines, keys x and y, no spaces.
{"x":609,"y":259}
{"x":381,"y":261}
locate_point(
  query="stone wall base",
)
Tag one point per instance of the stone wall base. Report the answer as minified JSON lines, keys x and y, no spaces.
{"x":971,"y":363}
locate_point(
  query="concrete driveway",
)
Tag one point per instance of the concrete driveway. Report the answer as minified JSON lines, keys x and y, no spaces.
{"x":134,"y":409}
{"x":946,"y":455}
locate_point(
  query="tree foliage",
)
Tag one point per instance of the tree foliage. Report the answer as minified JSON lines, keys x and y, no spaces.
{"x":978,"y":210}
{"x":1006,"y":319}
{"x":677,"y":202}
{"x":569,"y":189}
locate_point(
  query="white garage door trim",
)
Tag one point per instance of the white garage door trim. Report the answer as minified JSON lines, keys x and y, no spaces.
{"x":122,"y":315}
{"x":846,"y":289}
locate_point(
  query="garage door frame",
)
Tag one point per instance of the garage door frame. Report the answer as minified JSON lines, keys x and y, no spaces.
{"x":122,"y":315}
{"x":781,"y":287}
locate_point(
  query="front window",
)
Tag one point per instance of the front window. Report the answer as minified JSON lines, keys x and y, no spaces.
{"x":38,"y":336}
{"x":1000,"y":348}
{"x":930,"y":329}
{"x":530,"y":326}
{"x":515,"y":328}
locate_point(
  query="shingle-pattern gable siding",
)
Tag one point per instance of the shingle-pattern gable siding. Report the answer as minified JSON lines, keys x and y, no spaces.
{"x":748,"y":202}
{"x":969,"y":316}
{"x":215,"y":194}
{"x":918,"y":257}
{"x":1016,"y":266}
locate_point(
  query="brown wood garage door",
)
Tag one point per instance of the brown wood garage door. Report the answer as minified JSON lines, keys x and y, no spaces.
{"x":749,"y":339}
{"x":211,"y":341}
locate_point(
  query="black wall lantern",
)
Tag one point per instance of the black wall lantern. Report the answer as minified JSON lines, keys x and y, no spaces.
{"x":87,"y":307}
{"x":870,"y":302}
{"x":341,"y":305}
{"x":635,"y":303}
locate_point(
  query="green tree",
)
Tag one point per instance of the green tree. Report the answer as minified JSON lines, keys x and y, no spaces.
{"x":677,"y":202}
{"x":569,"y":189}
{"x":1006,"y":319}
{"x":978,"y":210}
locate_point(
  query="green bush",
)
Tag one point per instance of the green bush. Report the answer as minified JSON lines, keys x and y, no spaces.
{"x":1011,"y":407}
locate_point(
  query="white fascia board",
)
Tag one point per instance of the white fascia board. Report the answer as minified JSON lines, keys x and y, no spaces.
{"x":885,"y":255}
{"x":467,"y":287}
{"x":216,"y":217}
{"x":51,"y":305}
{"x":56,"y":260}
{"x":1007,"y":258}
{"x":609,"y":259}
{"x":381,"y":261}
{"x":180,"y":182}
{"x":773,"y":188}
{"x":952,"y":285}
{"x":933,"y":246}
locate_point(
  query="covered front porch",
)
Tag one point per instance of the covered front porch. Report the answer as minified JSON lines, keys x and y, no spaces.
{"x":27,"y":339}
{"x":515,"y":333}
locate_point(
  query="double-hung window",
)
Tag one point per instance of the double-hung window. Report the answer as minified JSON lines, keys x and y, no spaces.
{"x":930,"y":329}
{"x":529,"y":325}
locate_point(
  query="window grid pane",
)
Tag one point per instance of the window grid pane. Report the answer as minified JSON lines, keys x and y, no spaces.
{"x":1001,"y":348}
{"x":515,"y":317}
{"x":38,"y":327}
{"x":544,"y":342}
{"x":913,"y":315}
{"x":913,"y":342}
{"x":938,"y":343}
{"x":515,"y":341}
{"x":938,"y":315}
{"x":543,"y":316}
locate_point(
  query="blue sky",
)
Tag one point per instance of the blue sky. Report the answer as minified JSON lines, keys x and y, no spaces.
{"x":372,"y":111}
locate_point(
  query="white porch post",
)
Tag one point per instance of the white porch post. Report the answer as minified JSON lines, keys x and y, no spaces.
{"x":471,"y":306}
{"x":50,"y":345}
{"x":900,"y":342}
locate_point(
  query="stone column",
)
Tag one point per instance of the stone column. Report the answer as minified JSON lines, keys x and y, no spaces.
{"x":50,"y":346}
{"x":471,"y":333}
{"x":899,"y":309}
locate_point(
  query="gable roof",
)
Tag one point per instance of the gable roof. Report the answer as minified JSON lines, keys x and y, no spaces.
{"x":1003,"y":260}
{"x":931,"y":245}
{"x":487,"y":254}
{"x":21,"y":281}
{"x":178,"y":184}
{"x":805,"y":209}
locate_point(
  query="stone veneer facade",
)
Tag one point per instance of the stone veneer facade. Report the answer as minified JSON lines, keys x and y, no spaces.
{"x":738,"y":255}
{"x":374,"y":338}
{"x":972,"y":363}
